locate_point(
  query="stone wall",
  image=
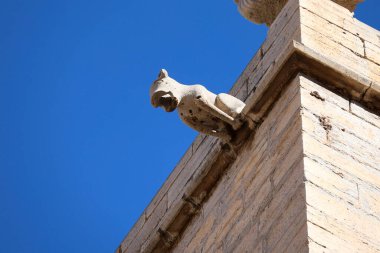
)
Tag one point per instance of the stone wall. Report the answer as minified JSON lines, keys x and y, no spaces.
{"x":312,"y":139}
{"x":259,"y":205}
{"x":341,"y":143}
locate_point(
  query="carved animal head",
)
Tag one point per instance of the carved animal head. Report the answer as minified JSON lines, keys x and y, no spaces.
{"x":165,"y":92}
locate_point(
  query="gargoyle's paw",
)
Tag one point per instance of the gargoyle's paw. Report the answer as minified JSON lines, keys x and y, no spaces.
{"x":240,"y":117}
{"x":237,"y":124}
{"x":226,"y":138}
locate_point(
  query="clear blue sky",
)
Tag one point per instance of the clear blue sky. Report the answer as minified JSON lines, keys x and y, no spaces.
{"x":82,"y":152}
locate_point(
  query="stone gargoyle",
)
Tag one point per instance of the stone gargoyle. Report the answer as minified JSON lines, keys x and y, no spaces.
{"x":202,"y":110}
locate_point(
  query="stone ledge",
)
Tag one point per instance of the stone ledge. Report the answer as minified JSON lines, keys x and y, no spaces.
{"x":297,"y":58}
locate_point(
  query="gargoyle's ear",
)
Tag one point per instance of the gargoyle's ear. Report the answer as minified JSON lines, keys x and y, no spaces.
{"x":163,"y":73}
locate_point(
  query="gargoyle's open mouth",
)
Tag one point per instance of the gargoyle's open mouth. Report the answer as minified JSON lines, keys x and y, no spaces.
{"x":169,"y":103}
{"x":165,"y":100}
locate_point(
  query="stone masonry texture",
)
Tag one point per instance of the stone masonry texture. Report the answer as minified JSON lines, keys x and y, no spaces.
{"x":259,"y":206}
{"x":308,"y":182}
{"x":341,"y":143}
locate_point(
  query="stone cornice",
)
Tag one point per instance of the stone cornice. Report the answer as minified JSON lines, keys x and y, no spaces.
{"x":266,"y":11}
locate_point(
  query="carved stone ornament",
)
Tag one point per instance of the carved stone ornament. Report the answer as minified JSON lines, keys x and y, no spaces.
{"x":265,"y":11}
{"x":202,"y":110}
